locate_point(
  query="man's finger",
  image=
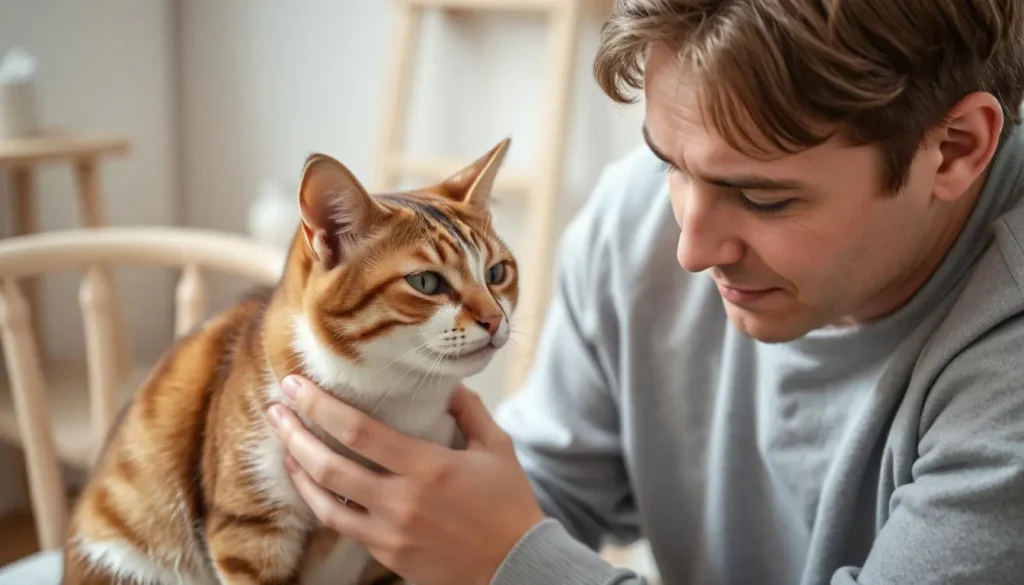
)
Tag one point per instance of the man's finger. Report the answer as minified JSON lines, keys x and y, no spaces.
{"x":396,"y":452}
{"x":332,"y":471}
{"x":472,"y":417}
{"x":346,"y":520}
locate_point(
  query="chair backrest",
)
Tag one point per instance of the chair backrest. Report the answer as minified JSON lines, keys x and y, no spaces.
{"x":94,"y":251}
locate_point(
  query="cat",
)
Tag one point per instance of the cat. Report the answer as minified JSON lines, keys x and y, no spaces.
{"x":387,"y":301}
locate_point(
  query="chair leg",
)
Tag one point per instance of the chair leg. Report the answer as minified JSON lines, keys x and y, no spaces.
{"x":91,"y":207}
{"x":32,"y":410}
{"x":23,"y":190}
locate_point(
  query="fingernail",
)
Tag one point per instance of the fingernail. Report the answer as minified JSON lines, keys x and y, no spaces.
{"x":277,"y":415}
{"x":291,"y":387}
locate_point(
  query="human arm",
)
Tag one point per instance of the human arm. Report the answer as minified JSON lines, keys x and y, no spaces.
{"x":565,"y":420}
{"x":961,"y":518}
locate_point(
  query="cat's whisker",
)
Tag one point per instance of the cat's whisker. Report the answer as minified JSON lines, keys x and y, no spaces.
{"x":389,"y":364}
{"x":426,"y":377}
{"x":433,"y":366}
{"x":419,"y":386}
{"x":444,"y":360}
{"x":399,"y":381}
{"x":430,"y":371}
{"x":520,"y":359}
{"x":390,"y":390}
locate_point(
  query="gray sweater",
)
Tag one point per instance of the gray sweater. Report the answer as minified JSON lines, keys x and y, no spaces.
{"x":890,"y":453}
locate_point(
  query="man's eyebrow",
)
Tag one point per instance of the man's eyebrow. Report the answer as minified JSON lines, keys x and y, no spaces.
{"x":650,"y":144}
{"x":751,"y":182}
{"x":755,"y":183}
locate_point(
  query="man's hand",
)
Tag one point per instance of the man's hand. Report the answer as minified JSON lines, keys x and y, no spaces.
{"x":442,"y":516}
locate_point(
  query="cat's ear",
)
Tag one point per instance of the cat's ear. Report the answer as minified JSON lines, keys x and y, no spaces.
{"x":473,"y":184}
{"x":336,"y":210}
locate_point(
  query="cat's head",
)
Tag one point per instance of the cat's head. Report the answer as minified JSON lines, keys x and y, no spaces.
{"x":415,"y":283}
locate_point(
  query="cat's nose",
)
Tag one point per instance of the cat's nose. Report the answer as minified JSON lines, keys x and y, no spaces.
{"x":490,"y":322}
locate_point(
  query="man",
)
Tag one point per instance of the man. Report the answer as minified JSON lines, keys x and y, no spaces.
{"x":831,"y":388}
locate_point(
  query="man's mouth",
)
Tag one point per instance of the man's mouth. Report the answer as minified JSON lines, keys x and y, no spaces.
{"x":740,"y":295}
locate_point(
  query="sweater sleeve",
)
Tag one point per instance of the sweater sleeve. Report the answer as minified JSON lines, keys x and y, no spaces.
{"x":565,"y":424}
{"x":960,"y":520}
{"x":547,"y":554}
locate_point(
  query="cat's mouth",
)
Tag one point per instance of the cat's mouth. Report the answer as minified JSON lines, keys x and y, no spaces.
{"x":485,"y":350}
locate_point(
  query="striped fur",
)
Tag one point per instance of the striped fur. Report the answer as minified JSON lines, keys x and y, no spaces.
{"x":190,"y":486}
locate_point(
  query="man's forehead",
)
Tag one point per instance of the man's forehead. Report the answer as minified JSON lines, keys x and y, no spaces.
{"x":695,"y":145}
{"x":681,"y":137}
{"x":679,"y":117}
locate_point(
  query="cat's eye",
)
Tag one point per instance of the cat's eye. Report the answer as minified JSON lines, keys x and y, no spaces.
{"x":428,"y":283}
{"x":496,"y":274}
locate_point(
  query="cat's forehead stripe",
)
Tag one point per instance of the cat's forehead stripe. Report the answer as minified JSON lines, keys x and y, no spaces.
{"x":428,"y":211}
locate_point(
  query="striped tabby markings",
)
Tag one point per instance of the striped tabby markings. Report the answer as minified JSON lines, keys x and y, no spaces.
{"x":246,"y":540}
{"x":124,"y":564}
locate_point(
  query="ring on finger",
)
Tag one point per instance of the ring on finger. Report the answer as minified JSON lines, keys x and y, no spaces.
{"x":345,"y":501}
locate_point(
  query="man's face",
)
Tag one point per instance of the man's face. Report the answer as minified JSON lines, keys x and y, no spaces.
{"x":794,"y":242}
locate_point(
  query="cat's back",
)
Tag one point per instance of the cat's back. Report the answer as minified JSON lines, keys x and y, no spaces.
{"x":140,"y":509}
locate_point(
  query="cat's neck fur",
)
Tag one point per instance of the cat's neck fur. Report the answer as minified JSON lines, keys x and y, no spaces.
{"x":411,"y":401}
{"x":407,"y":401}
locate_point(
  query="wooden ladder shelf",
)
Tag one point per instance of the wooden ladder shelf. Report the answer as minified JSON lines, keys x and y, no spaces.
{"x":540,"y":185}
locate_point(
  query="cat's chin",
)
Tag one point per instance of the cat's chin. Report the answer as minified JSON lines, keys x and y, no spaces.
{"x":461,"y":365}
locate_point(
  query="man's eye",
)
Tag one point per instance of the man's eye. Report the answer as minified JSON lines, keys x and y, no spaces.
{"x":764,"y":208}
{"x":667,"y":167}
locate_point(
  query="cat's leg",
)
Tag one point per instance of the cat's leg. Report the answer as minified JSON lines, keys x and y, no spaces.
{"x":112,"y":561}
{"x":78,"y":571}
{"x":258,"y":549}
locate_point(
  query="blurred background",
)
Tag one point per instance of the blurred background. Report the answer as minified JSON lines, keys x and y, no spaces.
{"x":218,"y":102}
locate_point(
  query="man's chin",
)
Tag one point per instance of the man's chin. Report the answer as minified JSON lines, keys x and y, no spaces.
{"x":765,"y":328}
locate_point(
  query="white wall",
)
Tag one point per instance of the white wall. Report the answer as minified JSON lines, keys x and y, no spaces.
{"x":266,"y":82}
{"x":105,"y":66}
{"x":244,"y":89}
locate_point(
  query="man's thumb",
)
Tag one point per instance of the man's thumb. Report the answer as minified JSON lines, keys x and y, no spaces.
{"x":471,"y":416}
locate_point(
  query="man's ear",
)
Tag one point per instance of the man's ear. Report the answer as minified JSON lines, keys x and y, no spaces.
{"x":473,"y":184}
{"x":967,"y":141}
{"x":336,"y":211}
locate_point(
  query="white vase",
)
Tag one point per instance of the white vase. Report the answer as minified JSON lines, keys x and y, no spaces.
{"x":274,"y":215}
{"x":17,"y":109}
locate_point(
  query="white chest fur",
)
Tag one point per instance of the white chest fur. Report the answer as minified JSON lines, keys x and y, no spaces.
{"x":347,"y":560}
{"x":396,"y":392}
{"x":411,"y":403}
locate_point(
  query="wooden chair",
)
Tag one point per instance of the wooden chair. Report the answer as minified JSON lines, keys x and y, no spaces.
{"x":72,"y":437}
{"x":24,"y":158}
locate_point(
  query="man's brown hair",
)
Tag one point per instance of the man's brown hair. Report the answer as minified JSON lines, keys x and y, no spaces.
{"x":880,"y":72}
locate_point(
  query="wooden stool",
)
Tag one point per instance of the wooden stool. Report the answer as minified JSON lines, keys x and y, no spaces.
{"x":22,"y":156}
{"x":541,"y":186}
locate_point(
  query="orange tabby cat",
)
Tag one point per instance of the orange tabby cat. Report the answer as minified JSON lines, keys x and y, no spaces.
{"x":387,"y":301}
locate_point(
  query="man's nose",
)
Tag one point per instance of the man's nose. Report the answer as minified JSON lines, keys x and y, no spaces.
{"x":706,"y":239}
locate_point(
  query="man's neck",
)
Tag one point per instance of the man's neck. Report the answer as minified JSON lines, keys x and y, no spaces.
{"x":948,"y":230}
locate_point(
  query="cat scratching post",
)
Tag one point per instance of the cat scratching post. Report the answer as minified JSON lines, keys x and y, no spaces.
{"x":540,"y":186}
